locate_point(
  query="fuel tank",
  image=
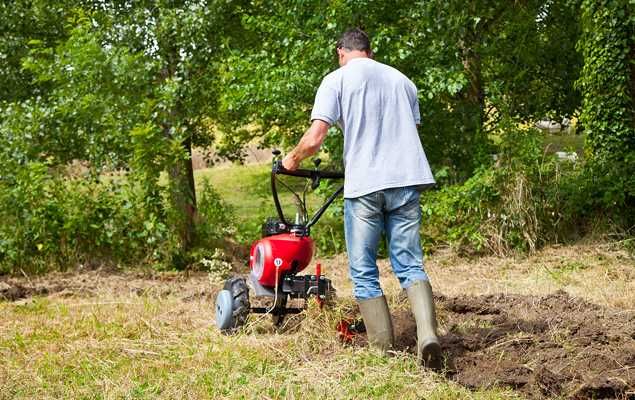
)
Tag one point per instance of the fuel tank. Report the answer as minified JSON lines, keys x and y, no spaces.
{"x":283,"y":254}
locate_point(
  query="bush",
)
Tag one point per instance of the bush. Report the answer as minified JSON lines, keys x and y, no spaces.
{"x":215,"y":223}
{"x":518,"y":202}
{"x":52,"y":222}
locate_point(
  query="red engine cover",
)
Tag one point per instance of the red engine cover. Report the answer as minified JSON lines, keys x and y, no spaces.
{"x":285,"y":252}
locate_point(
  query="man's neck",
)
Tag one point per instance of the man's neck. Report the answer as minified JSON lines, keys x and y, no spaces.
{"x":354,"y":54}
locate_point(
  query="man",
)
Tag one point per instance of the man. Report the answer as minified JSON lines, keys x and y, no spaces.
{"x":377,"y":108}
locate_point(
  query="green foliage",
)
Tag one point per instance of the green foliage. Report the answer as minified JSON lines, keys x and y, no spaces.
{"x":124,"y":90}
{"x":608,"y":117}
{"x":50,"y":222}
{"x":112,"y":86}
{"x":328,"y":233}
{"x":53,"y":223}
{"x":24,"y":24}
{"x":472,"y":64}
{"x":216,"y":220}
{"x":530,"y":63}
{"x":520,"y":202}
{"x":608,"y":78}
{"x":217,"y":266}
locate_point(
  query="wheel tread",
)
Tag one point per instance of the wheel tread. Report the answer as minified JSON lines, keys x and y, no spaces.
{"x":240,"y":292}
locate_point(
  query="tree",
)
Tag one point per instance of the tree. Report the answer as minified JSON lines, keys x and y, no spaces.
{"x":608,"y":78}
{"x":185,"y":42}
{"x":128,"y":85}
{"x":472,"y":63}
{"x":607,"y":83}
{"x":22,"y":24}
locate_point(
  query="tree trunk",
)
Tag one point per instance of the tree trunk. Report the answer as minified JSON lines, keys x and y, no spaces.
{"x":632,"y":59}
{"x":182,"y":189}
{"x":472,"y":106}
{"x":184,"y":196}
{"x":475,"y":95}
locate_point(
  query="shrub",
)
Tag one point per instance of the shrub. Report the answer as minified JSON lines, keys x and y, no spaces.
{"x":518,"y":202}
{"x":52,"y":222}
{"x":215,"y":222}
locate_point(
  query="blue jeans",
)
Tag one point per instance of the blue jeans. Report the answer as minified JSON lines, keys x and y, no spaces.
{"x":396,"y":212}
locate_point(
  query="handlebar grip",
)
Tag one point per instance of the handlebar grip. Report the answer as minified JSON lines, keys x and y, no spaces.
{"x":278,"y":169}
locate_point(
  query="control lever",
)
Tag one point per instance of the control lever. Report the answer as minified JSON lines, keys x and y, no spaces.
{"x":315,"y":180}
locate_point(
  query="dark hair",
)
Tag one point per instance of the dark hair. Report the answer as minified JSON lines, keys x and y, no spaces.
{"x":354,"y":39}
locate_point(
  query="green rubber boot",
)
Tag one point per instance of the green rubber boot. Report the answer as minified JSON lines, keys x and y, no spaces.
{"x":422,"y":304}
{"x":378,"y":323}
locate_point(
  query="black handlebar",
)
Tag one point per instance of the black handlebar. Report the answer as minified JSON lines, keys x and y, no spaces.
{"x":278,"y":169}
{"x":315,"y":176}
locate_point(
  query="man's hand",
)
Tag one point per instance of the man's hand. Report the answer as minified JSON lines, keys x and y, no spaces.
{"x":309,"y":145}
{"x":290,"y":163}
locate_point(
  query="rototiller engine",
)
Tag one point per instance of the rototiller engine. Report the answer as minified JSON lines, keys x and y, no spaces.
{"x":275,"y":260}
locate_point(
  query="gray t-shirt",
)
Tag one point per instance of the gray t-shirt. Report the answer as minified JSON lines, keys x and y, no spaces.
{"x":377,"y":108}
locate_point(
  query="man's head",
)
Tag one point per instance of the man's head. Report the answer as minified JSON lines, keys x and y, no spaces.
{"x":354,"y":43}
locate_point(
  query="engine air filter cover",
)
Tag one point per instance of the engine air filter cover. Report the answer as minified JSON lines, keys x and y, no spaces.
{"x":278,"y":255}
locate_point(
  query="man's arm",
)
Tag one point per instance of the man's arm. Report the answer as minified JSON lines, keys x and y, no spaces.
{"x":309,"y":145}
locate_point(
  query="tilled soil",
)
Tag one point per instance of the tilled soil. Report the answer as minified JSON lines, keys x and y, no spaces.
{"x":544,"y":347}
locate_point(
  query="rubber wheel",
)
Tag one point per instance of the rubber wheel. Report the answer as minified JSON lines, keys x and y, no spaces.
{"x":240,"y":307}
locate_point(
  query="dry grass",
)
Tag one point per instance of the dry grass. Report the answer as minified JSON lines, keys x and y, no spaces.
{"x":147,"y":335}
{"x":596,"y":272}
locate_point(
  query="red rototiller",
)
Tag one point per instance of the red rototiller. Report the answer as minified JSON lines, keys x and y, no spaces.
{"x":275,"y":261}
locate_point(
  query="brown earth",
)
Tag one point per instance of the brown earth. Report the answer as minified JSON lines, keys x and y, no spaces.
{"x":544,"y":347}
{"x":109,"y":284}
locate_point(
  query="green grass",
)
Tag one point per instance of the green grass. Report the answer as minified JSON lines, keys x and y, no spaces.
{"x":147,"y":348}
{"x":247,"y":188}
{"x":243,"y":186}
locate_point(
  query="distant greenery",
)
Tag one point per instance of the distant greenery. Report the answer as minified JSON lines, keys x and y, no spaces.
{"x":52,"y":223}
{"x":521,"y":201}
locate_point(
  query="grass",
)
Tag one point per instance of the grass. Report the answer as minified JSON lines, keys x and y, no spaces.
{"x":248,"y":189}
{"x":149,"y":347}
{"x":245,"y":187}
